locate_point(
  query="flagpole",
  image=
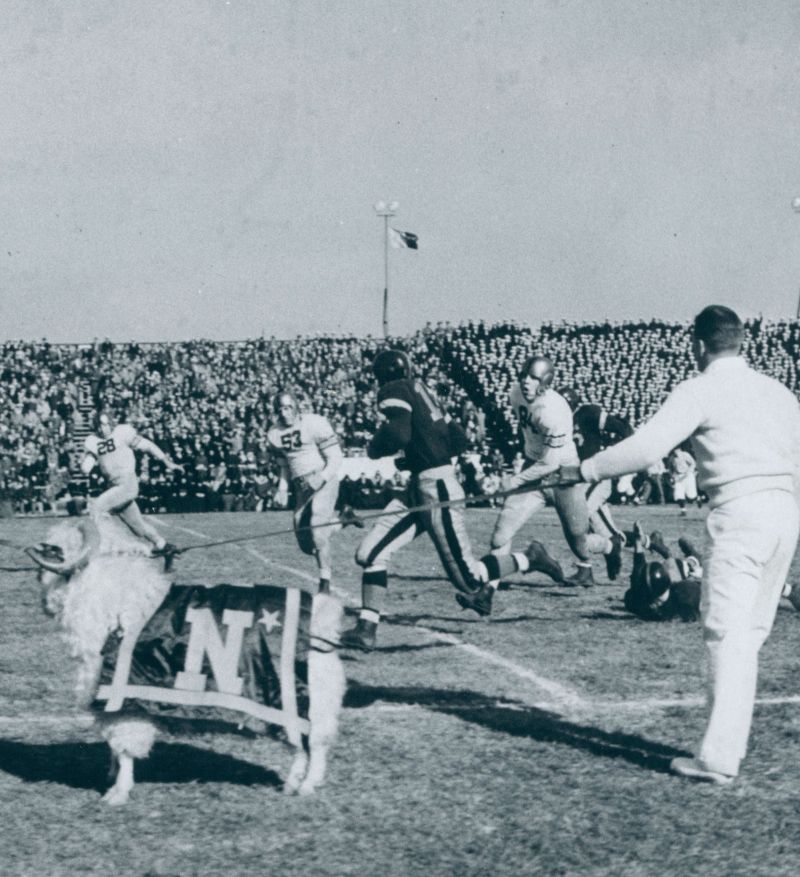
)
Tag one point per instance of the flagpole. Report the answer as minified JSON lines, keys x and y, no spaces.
{"x":384,"y":210}
{"x":386,"y":276}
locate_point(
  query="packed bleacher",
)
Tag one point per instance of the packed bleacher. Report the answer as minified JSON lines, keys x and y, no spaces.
{"x":208,"y":403}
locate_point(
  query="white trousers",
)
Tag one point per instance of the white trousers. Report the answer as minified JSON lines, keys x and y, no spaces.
{"x":752,"y":540}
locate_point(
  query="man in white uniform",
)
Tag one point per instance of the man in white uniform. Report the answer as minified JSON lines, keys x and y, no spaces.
{"x":684,"y":477}
{"x":310,"y":457}
{"x":111,"y":448}
{"x":545,"y":421}
{"x":745,"y":431}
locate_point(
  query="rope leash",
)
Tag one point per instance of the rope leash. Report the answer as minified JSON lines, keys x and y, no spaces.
{"x":550,"y":479}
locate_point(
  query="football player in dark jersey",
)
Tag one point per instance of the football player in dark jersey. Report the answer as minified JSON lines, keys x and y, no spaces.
{"x":593,"y":430}
{"x":429,"y":440}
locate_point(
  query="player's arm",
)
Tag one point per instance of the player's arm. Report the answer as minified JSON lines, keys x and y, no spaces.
{"x":143,"y":444}
{"x":88,"y":462}
{"x":281,"y":496}
{"x":673,"y":423}
{"x":556,"y":432}
{"x":90,"y":454}
{"x":331,"y":453}
{"x":395,"y":432}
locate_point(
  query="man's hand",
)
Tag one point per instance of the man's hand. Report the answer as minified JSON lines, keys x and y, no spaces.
{"x":170,"y":464}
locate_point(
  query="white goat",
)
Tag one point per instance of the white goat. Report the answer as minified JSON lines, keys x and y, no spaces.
{"x":98,"y":579}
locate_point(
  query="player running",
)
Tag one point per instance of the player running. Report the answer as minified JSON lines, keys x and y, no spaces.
{"x":545,"y":421}
{"x":112,"y":448}
{"x":594,"y":429}
{"x":430,"y":441}
{"x":310,"y":458}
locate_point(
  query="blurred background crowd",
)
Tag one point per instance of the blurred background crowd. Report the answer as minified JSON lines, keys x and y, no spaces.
{"x":209,"y":403}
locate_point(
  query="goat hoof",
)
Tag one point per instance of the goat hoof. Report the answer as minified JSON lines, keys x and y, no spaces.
{"x":115,"y":797}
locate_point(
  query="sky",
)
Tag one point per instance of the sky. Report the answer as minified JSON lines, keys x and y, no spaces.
{"x":208,"y":168}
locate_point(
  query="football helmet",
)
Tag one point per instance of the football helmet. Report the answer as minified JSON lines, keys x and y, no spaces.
{"x":654,"y":581}
{"x":539,"y":369}
{"x":572,"y":397}
{"x":102,"y":423}
{"x":286,"y":407}
{"x":391,"y":365}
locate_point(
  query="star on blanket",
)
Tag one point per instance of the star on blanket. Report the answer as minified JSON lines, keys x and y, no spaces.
{"x":269,"y":620}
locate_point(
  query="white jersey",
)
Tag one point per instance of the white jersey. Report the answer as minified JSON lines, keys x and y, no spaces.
{"x":115,"y":454}
{"x":301,"y":444}
{"x":546,"y":427}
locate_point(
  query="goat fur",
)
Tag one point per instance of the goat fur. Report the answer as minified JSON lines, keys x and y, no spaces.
{"x":120,"y":588}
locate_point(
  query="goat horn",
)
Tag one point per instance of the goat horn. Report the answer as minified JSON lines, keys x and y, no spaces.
{"x":91,"y":541}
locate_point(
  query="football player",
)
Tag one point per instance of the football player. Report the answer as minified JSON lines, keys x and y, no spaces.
{"x":111,"y":447}
{"x":430,"y":441}
{"x":545,"y":422}
{"x":310,"y":458}
{"x":661,"y":591}
{"x":593,"y":429}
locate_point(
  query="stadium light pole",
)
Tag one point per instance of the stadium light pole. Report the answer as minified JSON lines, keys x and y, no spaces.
{"x":796,"y":208}
{"x":386,"y":210}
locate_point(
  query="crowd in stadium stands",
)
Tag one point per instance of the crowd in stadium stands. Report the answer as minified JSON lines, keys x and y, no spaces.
{"x":208,"y":404}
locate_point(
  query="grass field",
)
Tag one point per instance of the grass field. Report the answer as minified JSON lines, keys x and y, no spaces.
{"x":535,"y":742}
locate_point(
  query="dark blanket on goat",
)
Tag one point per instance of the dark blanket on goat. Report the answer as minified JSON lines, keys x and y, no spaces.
{"x":230,"y":653}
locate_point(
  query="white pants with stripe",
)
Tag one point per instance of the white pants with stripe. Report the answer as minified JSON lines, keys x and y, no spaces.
{"x":445,"y":526}
{"x":120,"y":499}
{"x":752,"y":540}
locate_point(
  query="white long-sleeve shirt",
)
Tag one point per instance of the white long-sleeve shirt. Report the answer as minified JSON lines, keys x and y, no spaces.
{"x":744,"y":427}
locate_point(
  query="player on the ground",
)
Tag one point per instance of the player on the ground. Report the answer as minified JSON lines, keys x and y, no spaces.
{"x":683,"y":471}
{"x":545,"y":422}
{"x":430,"y":440}
{"x":310,"y":458}
{"x":662,"y":591}
{"x":111,"y":448}
{"x":594,"y":429}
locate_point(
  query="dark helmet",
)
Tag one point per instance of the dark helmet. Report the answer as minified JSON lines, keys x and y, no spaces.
{"x":654,"y":580}
{"x":572,"y":397}
{"x":539,"y":367}
{"x":391,"y":365}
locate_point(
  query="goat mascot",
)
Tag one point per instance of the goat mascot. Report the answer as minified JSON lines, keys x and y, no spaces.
{"x":109,"y":595}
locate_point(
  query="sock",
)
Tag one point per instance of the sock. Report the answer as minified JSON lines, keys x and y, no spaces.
{"x":370,"y":615}
{"x":160,"y":543}
{"x":373,"y":591}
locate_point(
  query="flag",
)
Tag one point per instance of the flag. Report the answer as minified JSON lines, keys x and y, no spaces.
{"x":223,"y":653}
{"x":403,"y":239}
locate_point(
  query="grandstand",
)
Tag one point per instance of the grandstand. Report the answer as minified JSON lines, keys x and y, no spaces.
{"x":208,"y":402}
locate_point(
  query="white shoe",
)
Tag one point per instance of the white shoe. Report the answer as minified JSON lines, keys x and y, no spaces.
{"x":693,"y":767}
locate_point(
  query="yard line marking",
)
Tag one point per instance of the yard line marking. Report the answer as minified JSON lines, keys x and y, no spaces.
{"x":663,"y":703}
{"x":563,"y":695}
{"x":26,"y":720}
{"x":560,"y":692}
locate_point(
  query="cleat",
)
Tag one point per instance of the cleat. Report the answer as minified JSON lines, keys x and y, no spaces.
{"x":349,"y":518}
{"x":324,"y":586}
{"x":696,"y":769}
{"x":614,"y":557}
{"x":363,"y":636}
{"x":658,"y":544}
{"x":168,"y":552}
{"x":479,"y":601}
{"x":583,"y":576}
{"x":540,"y":561}
{"x":687,"y":548}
